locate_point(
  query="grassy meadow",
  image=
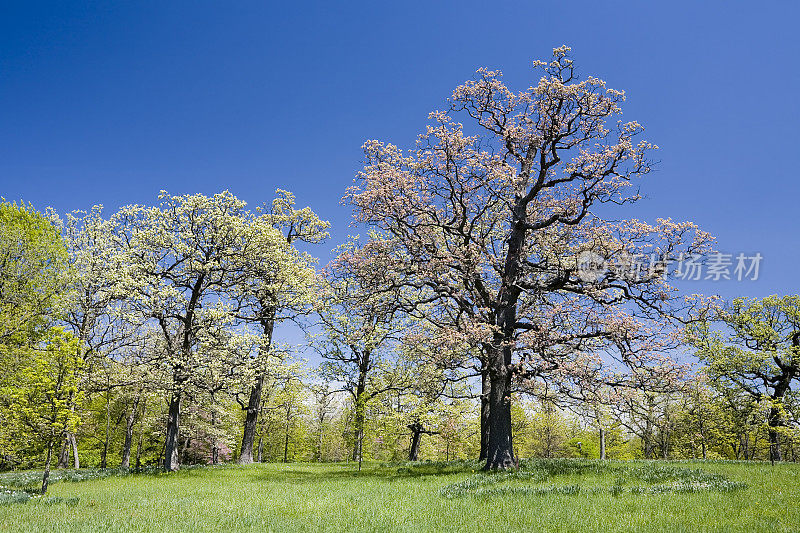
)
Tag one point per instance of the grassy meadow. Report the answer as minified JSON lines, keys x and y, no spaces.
{"x":543,"y":495}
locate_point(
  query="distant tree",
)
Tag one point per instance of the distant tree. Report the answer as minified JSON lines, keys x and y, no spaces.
{"x":360,"y":328}
{"x":753,"y":346}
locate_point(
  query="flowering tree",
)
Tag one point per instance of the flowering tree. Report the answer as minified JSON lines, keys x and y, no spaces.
{"x":279,"y":286}
{"x":497,"y":221}
{"x":183,"y":262}
{"x":94,"y":313}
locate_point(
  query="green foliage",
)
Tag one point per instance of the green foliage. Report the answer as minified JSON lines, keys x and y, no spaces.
{"x":38,"y":402}
{"x":33,"y":263}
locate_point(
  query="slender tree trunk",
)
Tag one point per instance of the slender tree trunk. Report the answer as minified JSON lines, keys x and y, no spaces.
{"x":76,"y":461}
{"x":318,"y":451}
{"x":486,"y":385}
{"x":360,"y":408}
{"x":46,"y":475}
{"x":260,"y":448}
{"x":602,"y":443}
{"x":141,"y":437}
{"x":214,"y":443}
{"x":286,"y":439}
{"x":171,"y":462}
{"x":500,"y":452}
{"x":104,"y":452}
{"x":254,"y":402}
{"x":125,"y":463}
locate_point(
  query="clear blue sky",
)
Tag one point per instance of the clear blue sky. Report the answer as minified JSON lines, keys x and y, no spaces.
{"x":109,"y":104}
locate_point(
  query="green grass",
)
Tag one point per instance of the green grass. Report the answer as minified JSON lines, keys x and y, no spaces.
{"x":557,"y":495}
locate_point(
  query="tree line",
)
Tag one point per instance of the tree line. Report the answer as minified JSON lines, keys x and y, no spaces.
{"x":463,"y":323}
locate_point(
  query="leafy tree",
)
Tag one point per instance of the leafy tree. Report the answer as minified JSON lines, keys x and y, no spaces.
{"x":33,"y":273}
{"x":183,"y":261}
{"x":756,"y":351}
{"x":33,"y":291}
{"x":361,"y":326}
{"x":39,"y":400}
{"x":279,"y":285}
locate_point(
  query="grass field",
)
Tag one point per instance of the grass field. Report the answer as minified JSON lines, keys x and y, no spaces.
{"x":556,"y":495}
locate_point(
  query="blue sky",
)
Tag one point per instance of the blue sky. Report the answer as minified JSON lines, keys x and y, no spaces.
{"x":110,"y":102}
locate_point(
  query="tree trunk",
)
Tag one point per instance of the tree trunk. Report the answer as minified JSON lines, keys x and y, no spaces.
{"x":141,"y":437}
{"x":260,"y":448}
{"x":104,"y":452}
{"x":416,"y":436}
{"x":214,"y":443}
{"x":602,"y":443}
{"x":76,"y":461}
{"x":358,"y":430}
{"x":125,"y":463}
{"x":286,"y":439}
{"x":774,"y":444}
{"x":360,"y":408}
{"x":254,"y":402}
{"x":171,"y":462}
{"x":251,"y":421}
{"x":485,"y":388}
{"x":63,"y":457}
{"x":318,"y":451}
{"x":500,"y":451}
{"x":46,"y":475}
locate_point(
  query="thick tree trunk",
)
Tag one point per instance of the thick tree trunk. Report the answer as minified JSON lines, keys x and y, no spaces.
{"x":486,"y":386}
{"x":125,"y":462}
{"x":171,"y":461}
{"x":416,"y":437}
{"x":602,"y":443}
{"x":46,"y":475}
{"x":251,"y":421}
{"x":63,"y":456}
{"x":774,"y":444}
{"x":500,"y":451}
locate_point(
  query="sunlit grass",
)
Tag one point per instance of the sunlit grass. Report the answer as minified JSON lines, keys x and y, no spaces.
{"x":558,"y":495}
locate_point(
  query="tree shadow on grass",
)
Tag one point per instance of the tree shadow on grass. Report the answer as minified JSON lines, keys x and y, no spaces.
{"x":382,"y":471}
